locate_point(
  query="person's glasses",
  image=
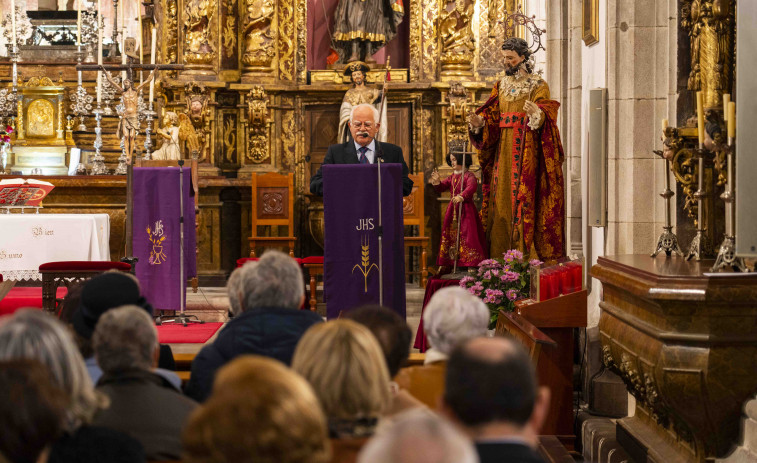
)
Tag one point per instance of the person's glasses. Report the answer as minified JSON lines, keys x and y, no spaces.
{"x":367,"y":125}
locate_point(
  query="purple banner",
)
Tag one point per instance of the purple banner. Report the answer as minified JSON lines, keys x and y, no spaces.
{"x":157,"y":239}
{"x":351,"y":247}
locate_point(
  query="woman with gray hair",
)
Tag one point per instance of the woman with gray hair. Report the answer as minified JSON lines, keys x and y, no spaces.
{"x":451,"y":317}
{"x":31,"y":334}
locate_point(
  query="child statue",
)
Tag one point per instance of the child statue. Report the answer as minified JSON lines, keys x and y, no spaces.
{"x":170,"y":135}
{"x":462,"y":185}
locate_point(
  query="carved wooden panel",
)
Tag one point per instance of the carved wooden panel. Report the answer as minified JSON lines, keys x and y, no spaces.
{"x":272,"y":203}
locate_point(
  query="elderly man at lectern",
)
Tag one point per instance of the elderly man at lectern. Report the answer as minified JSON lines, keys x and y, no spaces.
{"x":363,"y":148}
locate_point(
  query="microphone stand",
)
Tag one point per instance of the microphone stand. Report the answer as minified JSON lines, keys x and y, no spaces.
{"x":379,"y":158}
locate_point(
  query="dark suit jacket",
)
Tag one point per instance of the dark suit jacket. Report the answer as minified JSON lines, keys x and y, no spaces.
{"x":346,"y":153}
{"x":493,"y":452}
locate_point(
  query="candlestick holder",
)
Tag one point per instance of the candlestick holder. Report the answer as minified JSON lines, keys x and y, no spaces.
{"x":123,"y":160}
{"x":726,"y":257}
{"x":149,"y":115}
{"x":668,"y":241}
{"x":81,"y":101}
{"x":98,"y":163}
{"x":113,"y":50}
{"x":700,"y":246}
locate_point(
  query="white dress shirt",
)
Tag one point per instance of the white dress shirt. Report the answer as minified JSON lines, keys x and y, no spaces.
{"x":370,"y":154}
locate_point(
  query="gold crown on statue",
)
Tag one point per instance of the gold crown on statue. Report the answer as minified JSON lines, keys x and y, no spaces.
{"x":516,"y":20}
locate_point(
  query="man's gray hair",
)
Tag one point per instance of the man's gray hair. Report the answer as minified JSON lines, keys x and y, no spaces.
{"x":125,"y":338}
{"x":234,"y":289}
{"x":452,"y":316}
{"x":365,"y":105}
{"x":419,"y":436}
{"x":275,"y":282}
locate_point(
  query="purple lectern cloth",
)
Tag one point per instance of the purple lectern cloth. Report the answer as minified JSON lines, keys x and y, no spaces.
{"x":157,"y":238}
{"x":350,"y":206}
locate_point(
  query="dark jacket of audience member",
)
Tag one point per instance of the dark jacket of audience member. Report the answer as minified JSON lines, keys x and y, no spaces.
{"x":270,"y":323}
{"x":142,"y":404}
{"x":95,"y":444}
{"x":32,"y":411}
{"x":491,"y":393}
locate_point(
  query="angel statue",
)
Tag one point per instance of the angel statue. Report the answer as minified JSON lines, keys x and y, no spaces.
{"x":170,"y":135}
{"x":188,"y":137}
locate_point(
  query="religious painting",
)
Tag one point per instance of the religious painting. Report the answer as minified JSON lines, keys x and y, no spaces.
{"x":590,"y":21}
{"x":41,"y":119}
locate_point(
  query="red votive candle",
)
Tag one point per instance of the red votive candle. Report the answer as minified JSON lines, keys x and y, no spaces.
{"x":566,"y":280}
{"x":576,"y":271}
{"x":543,"y":294}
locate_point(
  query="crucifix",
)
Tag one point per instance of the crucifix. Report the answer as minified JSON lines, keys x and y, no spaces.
{"x":128,"y":129}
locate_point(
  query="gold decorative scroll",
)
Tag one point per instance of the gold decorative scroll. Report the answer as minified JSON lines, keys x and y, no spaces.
{"x":430,"y":14}
{"x":229,"y":139}
{"x":198,"y":40}
{"x":288,"y":141}
{"x":229,"y":34}
{"x":259,"y":32}
{"x":456,"y":37}
{"x":170,"y":31}
{"x":257,"y":119}
{"x":287,"y":36}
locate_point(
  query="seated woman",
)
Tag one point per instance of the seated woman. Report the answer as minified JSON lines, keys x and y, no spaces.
{"x":451,"y":317}
{"x":344,"y":364}
{"x":169,"y":150}
{"x":32,"y":334}
{"x":462,"y":185}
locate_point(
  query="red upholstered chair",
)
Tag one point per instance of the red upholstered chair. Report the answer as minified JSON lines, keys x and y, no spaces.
{"x":69,"y":273}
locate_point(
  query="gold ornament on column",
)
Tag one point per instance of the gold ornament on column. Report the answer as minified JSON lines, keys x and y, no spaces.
{"x":456,"y":37}
{"x":258,"y":121}
{"x":198,"y":40}
{"x":259,"y":49}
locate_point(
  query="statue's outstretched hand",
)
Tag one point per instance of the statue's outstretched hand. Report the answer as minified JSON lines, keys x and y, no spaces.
{"x":434,"y":178}
{"x":530,"y":107}
{"x":475,"y":122}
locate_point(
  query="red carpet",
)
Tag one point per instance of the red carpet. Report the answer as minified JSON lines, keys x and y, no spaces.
{"x":194,"y":333}
{"x":25,"y":297}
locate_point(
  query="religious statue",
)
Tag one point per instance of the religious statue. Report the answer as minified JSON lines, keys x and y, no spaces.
{"x":128,"y":125}
{"x":197,"y":98}
{"x":462,"y":233}
{"x":170,"y":134}
{"x":521,"y":160}
{"x":198,"y":15}
{"x":362,"y":27}
{"x":358,"y":94}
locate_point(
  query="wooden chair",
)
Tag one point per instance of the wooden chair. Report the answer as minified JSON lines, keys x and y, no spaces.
{"x":412,"y":213}
{"x":314,"y":267}
{"x":68,"y":273}
{"x":424,"y":382}
{"x":525,"y":332}
{"x":272,"y":206}
{"x":139,"y":162}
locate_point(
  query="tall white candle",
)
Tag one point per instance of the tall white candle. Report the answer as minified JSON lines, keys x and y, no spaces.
{"x":78,"y":22}
{"x":99,"y":52}
{"x":152,"y":61}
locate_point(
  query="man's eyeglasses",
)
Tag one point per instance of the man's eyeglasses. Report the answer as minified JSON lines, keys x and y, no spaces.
{"x":367,"y":125}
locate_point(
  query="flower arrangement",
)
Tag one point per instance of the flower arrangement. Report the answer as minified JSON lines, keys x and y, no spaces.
{"x":5,"y":135}
{"x":500,"y":282}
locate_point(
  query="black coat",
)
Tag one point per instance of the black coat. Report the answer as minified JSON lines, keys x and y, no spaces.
{"x":346,"y":153}
{"x":93,"y":444}
{"x":147,"y":407}
{"x":500,"y":452}
{"x":270,"y":332}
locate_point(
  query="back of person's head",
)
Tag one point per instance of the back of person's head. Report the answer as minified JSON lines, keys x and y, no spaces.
{"x":343,"y":362}
{"x":490,"y":380}
{"x":125,"y":339}
{"x":390,"y":330}
{"x":452,"y":316}
{"x":419,"y":436}
{"x":260,"y":411}
{"x":234,"y":289}
{"x":274,"y":282}
{"x":32,"y":412}
{"x":102,"y":293}
{"x":31,"y":334}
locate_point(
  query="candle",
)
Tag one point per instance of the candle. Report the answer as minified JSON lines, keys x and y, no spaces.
{"x":664,"y":126}
{"x":726,"y":100}
{"x":731,"y":119}
{"x":78,"y":22}
{"x":152,"y":61}
{"x":99,"y":52}
{"x":13,"y":22}
{"x":700,"y":118}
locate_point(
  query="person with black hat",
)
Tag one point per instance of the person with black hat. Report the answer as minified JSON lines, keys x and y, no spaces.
{"x":100,"y":294}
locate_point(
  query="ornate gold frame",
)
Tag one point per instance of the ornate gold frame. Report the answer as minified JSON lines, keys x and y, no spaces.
{"x":590,"y":21}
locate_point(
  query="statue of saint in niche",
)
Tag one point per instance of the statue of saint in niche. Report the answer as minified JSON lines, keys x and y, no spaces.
{"x":362,"y":27}
{"x":359,"y":93}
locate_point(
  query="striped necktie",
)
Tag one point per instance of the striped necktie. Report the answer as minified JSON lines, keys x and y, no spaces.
{"x":363,"y":157}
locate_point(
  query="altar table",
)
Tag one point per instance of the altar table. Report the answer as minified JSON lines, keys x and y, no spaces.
{"x":29,"y":240}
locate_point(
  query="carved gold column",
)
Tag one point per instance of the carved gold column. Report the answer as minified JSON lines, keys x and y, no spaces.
{"x":259,"y":30}
{"x":258,"y":128}
{"x":456,"y":38}
{"x":199,"y":49}
{"x":454,"y":114}
{"x":710,"y":24}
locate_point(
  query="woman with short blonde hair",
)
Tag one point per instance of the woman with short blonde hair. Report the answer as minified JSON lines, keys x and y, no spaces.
{"x":344,"y":363}
{"x":259,"y":411}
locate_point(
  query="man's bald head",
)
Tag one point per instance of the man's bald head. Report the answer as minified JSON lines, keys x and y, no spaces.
{"x":490,"y":380}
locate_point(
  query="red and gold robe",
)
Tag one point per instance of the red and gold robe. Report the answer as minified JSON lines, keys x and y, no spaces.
{"x":522,"y":178}
{"x":471,"y":250}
